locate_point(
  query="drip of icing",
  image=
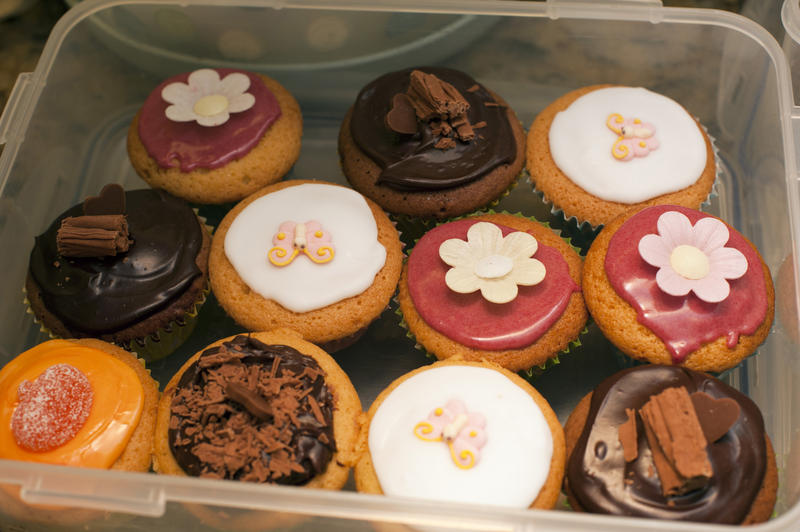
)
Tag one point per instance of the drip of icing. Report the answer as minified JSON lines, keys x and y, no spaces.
{"x":684,"y":323}
{"x":115,"y":412}
{"x":471,"y":320}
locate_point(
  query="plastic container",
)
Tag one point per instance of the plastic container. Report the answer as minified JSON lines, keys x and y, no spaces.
{"x":64,"y":133}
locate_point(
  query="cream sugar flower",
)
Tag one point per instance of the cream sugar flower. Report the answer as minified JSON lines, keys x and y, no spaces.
{"x":489,"y":262}
{"x":692,"y":258}
{"x":206,"y":99}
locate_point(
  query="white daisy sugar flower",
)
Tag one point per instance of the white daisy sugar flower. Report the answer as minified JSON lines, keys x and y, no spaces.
{"x":207,"y":99}
{"x":489,"y":262}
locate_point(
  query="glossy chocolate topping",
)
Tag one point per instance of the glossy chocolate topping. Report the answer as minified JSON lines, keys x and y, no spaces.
{"x":414,"y":162}
{"x":190,"y":145}
{"x":602,"y":482}
{"x":99,"y":295}
{"x":254,"y":412}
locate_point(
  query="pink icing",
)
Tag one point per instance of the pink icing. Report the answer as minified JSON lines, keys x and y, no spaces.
{"x":684,"y":323}
{"x":190,"y":145}
{"x":471,"y":320}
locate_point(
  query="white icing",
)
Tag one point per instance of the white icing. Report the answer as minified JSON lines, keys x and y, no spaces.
{"x":514,"y":462}
{"x":303,"y":285}
{"x":580,"y":144}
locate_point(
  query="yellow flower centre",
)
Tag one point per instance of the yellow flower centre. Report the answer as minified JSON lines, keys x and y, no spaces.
{"x":689,"y":262}
{"x":210,"y":105}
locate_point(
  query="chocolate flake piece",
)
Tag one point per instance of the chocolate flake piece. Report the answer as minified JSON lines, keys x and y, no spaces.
{"x":436,"y":102}
{"x":250,"y":400}
{"x":676,"y":441}
{"x":628,"y":437}
{"x":445,"y":143}
{"x":93,"y":236}
{"x":716,"y":416}
{"x":433,"y":97}
{"x":111,"y":200}
{"x":474,"y":88}
{"x":402,"y":118}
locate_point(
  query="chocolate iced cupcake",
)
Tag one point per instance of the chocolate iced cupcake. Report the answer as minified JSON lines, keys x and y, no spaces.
{"x":430,"y":142}
{"x":129,"y":268}
{"x":266,"y":408}
{"x":670,"y":443}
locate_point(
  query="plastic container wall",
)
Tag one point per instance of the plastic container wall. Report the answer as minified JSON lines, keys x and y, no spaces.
{"x":65,"y":128}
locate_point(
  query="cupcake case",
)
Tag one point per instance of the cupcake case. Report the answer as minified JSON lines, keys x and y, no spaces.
{"x":64,"y":129}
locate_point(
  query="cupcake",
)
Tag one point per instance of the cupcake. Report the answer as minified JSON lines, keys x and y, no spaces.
{"x":670,"y":443}
{"x":215,"y":135}
{"x":494,"y":287}
{"x":312,"y":256}
{"x":267,"y":407}
{"x":671,"y":285}
{"x":430,"y":142}
{"x":468,"y":432}
{"x":82,"y":403}
{"x":129,"y":268}
{"x":600,"y":150}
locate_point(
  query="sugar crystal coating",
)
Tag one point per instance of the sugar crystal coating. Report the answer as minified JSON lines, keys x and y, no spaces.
{"x":52,"y":408}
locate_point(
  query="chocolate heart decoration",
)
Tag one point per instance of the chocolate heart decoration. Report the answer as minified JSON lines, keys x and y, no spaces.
{"x":716,"y":416}
{"x":402,"y":118}
{"x":52,"y":408}
{"x":111,"y":200}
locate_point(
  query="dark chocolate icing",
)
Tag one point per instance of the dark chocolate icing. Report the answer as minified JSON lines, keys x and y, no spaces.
{"x":411,"y":162}
{"x":602,"y":482}
{"x":100,"y":295}
{"x":280,"y":430}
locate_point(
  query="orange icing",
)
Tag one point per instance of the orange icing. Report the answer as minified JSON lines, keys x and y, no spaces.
{"x":115,"y":413}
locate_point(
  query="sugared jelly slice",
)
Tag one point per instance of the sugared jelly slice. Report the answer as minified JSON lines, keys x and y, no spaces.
{"x":52,"y":408}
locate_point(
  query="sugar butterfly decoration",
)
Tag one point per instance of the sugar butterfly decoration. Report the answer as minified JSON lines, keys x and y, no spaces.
{"x":464,"y":432}
{"x":634,"y":137}
{"x":293,"y":239}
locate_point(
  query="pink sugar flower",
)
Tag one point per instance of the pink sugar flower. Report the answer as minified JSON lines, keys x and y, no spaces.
{"x":692,"y":258}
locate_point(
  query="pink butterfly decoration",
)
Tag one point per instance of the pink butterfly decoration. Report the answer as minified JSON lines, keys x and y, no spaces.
{"x":308,"y":238}
{"x":464,"y":432}
{"x":635,"y":138}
